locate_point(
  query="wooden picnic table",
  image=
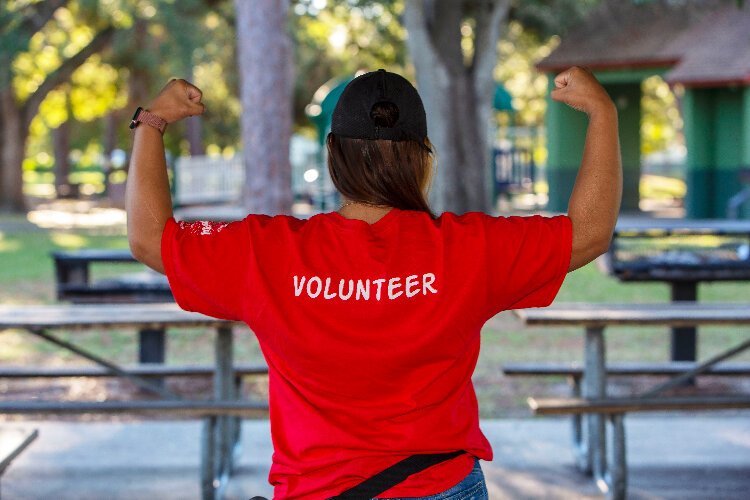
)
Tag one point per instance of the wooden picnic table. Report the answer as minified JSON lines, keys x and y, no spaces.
{"x":219,"y":442}
{"x":74,"y":284}
{"x":681,"y":253}
{"x":73,"y":278}
{"x":591,"y":451}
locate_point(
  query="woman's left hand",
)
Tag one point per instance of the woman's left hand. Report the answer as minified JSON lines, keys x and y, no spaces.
{"x":177,"y":100}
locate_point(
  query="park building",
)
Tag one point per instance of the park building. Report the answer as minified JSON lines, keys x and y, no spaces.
{"x":702,"y":50}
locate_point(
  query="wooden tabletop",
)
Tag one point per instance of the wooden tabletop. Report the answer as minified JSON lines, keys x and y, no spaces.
{"x":668,"y":314}
{"x":102,"y":315}
{"x":94,"y":255}
{"x":711,"y":226}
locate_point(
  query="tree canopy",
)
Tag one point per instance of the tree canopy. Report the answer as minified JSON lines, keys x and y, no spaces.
{"x":90,"y":62}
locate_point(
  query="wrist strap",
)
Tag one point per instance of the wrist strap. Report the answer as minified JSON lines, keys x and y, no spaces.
{"x":393,"y":475}
{"x":143,"y":116}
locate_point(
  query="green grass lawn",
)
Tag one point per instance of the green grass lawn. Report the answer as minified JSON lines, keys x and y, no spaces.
{"x":27,"y":264}
{"x":27,"y":276}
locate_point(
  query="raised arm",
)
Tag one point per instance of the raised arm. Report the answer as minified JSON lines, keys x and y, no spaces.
{"x":147,"y":199}
{"x":595,"y":200}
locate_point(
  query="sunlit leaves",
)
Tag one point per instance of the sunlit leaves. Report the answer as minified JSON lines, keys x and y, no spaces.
{"x":53,"y":110}
{"x":212,"y":21}
{"x":338,"y":38}
{"x":60,"y":39}
{"x":467,"y":39}
{"x":96,"y":90}
{"x":661,"y":122}
{"x":210,"y":76}
{"x":118,"y":11}
{"x":519,"y":50}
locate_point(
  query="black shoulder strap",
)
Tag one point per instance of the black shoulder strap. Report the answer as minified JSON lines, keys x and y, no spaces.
{"x":396,"y":473}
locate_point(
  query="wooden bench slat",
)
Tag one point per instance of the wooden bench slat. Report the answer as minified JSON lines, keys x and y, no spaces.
{"x":576,"y":370}
{"x":606,"y":314}
{"x":567,"y":406}
{"x":77,"y":316}
{"x":170,"y":408}
{"x":143,"y":370}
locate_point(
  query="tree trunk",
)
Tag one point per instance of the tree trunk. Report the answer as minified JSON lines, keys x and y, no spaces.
{"x":139,"y":76}
{"x":13,"y":134}
{"x":457,"y":95}
{"x":61,"y":148}
{"x":194,"y":130}
{"x":16,"y":117}
{"x":194,"y":133}
{"x":109,"y":143}
{"x":265,"y":63}
{"x":193,"y":124}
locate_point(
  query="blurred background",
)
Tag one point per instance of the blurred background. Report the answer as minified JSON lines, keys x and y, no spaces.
{"x":72,"y":72}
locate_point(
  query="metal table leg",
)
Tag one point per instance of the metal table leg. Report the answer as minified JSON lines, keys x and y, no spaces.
{"x":209,"y":484}
{"x":236,"y":423}
{"x":151,"y":345}
{"x":684,"y":337}
{"x":617,"y":480}
{"x":580,"y":444}
{"x":223,"y":391}
{"x":594,"y":387}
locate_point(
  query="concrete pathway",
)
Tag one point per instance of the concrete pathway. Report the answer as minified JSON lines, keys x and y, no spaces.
{"x":690,"y":457}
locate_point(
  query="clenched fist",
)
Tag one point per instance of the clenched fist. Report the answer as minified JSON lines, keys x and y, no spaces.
{"x":580,"y":90}
{"x":177,"y":100}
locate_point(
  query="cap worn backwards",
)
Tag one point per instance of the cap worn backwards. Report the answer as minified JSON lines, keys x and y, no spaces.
{"x":352,"y":115}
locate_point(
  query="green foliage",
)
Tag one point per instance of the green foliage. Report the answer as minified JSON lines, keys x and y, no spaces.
{"x":334,"y":39}
{"x":519,"y":50}
{"x":198,"y":43}
{"x":195,"y":39}
{"x":188,"y":40}
{"x":661,"y":122}
{"x":551,"y":17}
{"x":26,"y":254}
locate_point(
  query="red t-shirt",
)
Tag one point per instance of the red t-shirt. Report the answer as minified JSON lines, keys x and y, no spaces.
{"x":370,"y":331}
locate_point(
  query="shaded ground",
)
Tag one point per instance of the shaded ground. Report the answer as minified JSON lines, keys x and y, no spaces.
{"x":690,"y":457}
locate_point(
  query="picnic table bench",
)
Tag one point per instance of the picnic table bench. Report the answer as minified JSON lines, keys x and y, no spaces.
{"x":73,"y":283}
{"x":12,"y":443}
{"x":574,"y":371}
{"x":73,"y":279}
{"x":220,"y":415}
{"x":610,"y":473}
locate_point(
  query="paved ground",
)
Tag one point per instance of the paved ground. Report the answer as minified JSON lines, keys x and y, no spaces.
{"x":701,"y":457}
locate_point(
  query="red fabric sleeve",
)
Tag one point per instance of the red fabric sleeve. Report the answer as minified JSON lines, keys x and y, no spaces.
{"x":208,"y":266}
{"x":527,"y":258}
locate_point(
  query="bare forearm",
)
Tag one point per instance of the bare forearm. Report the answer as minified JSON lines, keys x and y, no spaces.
{"x":148,"y":200}
{"x":595,"y":201}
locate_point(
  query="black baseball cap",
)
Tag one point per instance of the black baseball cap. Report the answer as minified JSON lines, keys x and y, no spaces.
{"x":351,"y":117}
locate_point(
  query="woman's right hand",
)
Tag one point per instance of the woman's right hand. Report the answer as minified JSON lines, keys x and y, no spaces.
{"x":580,"y":90}
{"x":177,"y":100}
